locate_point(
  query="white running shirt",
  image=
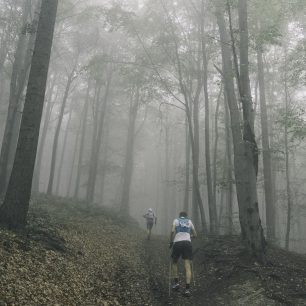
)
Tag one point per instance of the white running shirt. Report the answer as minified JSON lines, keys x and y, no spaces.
{"x":182,"y":236}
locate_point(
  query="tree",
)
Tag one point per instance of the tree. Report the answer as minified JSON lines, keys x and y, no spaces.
{"x":14,"y":210}
{"x":82,"y":141}
{"x":266,"y":152}
{"x":211,"y":196}
{"x":20,"y":67}
{"x":96,"y":144}
{"x":129,"y":154}
{"x":245,"y":149}
{"x":70,"y":78}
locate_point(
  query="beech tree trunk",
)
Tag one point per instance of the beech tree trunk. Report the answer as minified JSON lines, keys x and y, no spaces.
{"x":194,"y":142}
{"x":14,"y":100}
{"x":229,"y":168}
{"x":245,"y":165}
{"x":42,"y":138}
{"x":214,"y":184}
{"x":94,"y":161}
{"x":211,"y":198}
{"x":288,"y":182}
{"x":266,"y":153}
{"x":187,"y":169}
{"x":77,"y":140}
{"x":105,"y":159}
{"x":60,"y":166}
{"x":58,"y":129}
{"x":82,"y":141}
{"x":14,"y":210}
{"x":129,"y":155}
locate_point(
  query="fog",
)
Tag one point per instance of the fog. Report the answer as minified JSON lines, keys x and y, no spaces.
{"x":139,"y":113}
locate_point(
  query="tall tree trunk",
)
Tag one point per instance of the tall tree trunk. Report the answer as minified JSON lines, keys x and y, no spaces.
{"x":58,"y":129}
{"x":105,"y":159}
{"x":43,"y":136}
{"x":96,"y":115}
{"x":216,"y":145}
{"x":288,"y":183}
{"x":81,"y":148}
{"x":21,"y":82}
{"x":129,"y":155}
{"x":60,"y":166}
{"x":211,"y":199}
{"x":267,"y":164}
{"x":244,"y":160}
{"x":166,"y":193}
{"x":13,"y":102}
{"x":94,"y":162}
{"x":194,"y":142}
{"x":229,"y":169}
{"x":77,"y":140}
{"x":187,"y":168}
{"x":14,"y":210}
{"x":254,"y":231}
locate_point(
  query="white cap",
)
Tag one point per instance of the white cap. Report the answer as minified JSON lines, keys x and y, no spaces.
{"x":150,"y":209}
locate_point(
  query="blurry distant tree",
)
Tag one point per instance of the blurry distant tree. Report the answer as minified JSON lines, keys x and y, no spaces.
{"x":104,"y":76}
{"x":70,"y":78}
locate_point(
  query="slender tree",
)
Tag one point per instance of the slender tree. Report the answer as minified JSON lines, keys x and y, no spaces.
{"x":95,"y":154}
{"x":266,"y":152}
{"x":82,"y":142}
{"x":70,"y":79}
{"x":211,"y":197}
{"x":129,"y":155}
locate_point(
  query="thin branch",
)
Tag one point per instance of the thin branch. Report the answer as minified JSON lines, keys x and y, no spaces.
{"x":153,"y":65}
{"x":167,"y":103}
{"x":234,"y":48}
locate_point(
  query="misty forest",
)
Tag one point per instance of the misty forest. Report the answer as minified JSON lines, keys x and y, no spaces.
{"x":117,"y":116}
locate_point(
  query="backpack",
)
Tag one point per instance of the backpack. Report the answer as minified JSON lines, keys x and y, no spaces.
{"x":183,"y":226}
{"x":150,"y":215}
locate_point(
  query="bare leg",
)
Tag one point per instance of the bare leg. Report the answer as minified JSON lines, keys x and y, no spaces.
{"x":188,"y":271}
{"x":174,"y":270}
{"x":149,"y":234}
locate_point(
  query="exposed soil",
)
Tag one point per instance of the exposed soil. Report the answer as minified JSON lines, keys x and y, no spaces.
{"x":225,"y":275}
{"x":72,"y":255}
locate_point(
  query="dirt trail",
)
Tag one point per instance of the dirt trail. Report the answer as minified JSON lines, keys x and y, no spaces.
{"x":158,"y":259}
{"x":225,"y":275}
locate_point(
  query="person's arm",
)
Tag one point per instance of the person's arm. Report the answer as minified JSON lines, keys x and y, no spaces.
{"x":193,"y":231}
{"x":172,"y":235}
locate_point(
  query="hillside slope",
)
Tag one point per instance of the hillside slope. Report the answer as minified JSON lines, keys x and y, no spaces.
{"x":72,"y":255}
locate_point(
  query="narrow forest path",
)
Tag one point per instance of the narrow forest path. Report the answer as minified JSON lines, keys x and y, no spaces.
{"x":225,"y":275}
{"x":158,"y":261}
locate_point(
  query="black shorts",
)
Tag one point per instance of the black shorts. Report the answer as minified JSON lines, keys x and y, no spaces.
{"x":149,"y":224}
{"x":182,"y":248}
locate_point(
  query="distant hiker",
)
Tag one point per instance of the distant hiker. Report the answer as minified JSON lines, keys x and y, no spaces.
{"x":151,"y":219}
{"x":180,"y":242}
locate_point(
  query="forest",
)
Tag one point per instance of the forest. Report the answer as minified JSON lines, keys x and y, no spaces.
{"x":118,"y":106}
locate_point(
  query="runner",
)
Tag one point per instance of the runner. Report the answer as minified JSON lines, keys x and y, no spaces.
{"x":151,"y":219}
{"x":180,"y":242}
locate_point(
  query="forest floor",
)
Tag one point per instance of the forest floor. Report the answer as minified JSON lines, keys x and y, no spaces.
{"x":72,"y":255}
